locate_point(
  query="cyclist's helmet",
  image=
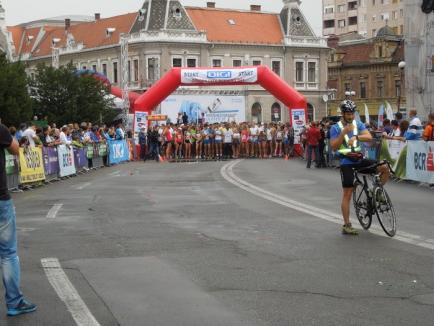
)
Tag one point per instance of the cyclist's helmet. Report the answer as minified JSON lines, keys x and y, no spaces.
{"x":348,"y":106}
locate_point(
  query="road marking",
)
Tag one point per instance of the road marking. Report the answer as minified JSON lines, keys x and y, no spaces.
{"x":84,"y":185}
{"x":227,"y":173}
{"x":67,"y":293}
{"x":54,"y":210}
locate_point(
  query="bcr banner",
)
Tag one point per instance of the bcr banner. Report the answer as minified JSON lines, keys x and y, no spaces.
{"x":118,"y":151}
{"x":210,"y":76}
{"x":31,"y":165}
{"x":298,"y":121}
{"x":420,"y":161}
{"x":66,"y":160}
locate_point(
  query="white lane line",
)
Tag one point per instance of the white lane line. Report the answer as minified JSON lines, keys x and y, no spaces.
{"x":227,"y":173}
{"x":54,"y":210}
{"x":67,"y":293}
{"x":84,"y":185}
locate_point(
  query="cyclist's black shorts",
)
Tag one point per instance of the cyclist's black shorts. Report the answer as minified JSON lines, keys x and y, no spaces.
{"x":347,"y":171}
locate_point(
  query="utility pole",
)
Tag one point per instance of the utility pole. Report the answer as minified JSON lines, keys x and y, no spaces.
{"x":124,"y":78}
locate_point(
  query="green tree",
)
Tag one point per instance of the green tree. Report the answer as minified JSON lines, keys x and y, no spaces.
{"x":65,"y":97}
{"x":15,"y":102}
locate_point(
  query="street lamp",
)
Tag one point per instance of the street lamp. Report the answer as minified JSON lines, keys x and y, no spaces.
{"x":401,"y":66}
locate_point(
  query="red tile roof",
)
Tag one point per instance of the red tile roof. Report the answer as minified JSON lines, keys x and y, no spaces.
{"x":249,"y":27}
{"x":356,"y":53}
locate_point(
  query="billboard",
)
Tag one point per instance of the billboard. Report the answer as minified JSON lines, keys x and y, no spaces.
{"x":205,"y":108}
{"x":227,"y":75}
{"x":298,"y":121}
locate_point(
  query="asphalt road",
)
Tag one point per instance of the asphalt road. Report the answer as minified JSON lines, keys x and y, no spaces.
{"x":253,"y":242}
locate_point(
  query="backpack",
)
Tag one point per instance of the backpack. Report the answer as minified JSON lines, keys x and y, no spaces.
{"x":427,"y":6}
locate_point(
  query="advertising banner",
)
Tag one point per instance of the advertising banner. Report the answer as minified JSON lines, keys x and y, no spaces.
{"x":89,"y":151}
{"x":10,"y":163}
{"x":420,"y":161}
{"x":66,"y":160}
{"x":31,"y":165}
{"x":102,"y":149}
{"x":51,"y":160}
{"x":118,"y":151}
{"x":298,"y":121}
{"x":140,"y":121}
{"x":210,"y":76}
{"x":205,"y":108}
{"x":80,"y":159}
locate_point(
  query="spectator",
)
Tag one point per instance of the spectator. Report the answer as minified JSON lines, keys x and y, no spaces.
{"x":185,"y":118}
{"x":19,"y":133}
{"x":313,"y":136}
{"x":63,"y":139}
{"x":119,"y":132}
{"x":13,"y":131}
{"x":415,"y":126}
{"x":15,"y":302}
{"x":30,"y":134}
{"x":428,"y":133}
{"x":398,"y":117}
{"x":142,"y":142}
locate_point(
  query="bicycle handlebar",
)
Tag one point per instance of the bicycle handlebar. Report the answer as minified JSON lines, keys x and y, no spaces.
{"x":376,"y":165}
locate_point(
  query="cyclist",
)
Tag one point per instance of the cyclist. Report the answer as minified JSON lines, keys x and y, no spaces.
{"x":345,"y":137}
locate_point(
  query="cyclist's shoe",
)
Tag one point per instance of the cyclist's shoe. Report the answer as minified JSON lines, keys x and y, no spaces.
{"x":348,"y":229}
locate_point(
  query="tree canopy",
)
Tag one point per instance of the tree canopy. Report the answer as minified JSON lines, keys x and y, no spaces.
{"x":64,"y":97}
{"x":15,"y":102}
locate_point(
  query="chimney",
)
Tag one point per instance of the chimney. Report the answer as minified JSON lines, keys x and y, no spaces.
{"x":67,"y":23}
{"x":97,"y":16}
{"x":255,"y":7}
{"x":210,"y":4}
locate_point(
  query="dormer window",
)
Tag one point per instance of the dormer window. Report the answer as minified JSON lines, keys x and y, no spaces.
{"x":176,"y":12}
{"x":231,"y":22}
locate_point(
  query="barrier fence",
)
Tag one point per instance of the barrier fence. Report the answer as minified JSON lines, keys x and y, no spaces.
{"x":35,"y":165}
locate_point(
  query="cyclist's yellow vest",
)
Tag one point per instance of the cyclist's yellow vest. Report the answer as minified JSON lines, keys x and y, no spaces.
{"x":344,"y":149}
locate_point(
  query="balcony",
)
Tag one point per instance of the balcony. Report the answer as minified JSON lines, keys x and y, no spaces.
{"x":168,"y":36}
{"x":313,"y":42}
{"x":329,"y":31}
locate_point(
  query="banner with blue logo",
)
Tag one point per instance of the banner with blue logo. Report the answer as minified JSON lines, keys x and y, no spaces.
{"x":209,"y":76}
{"x":66,"y":160}
{"x":118,"y":151}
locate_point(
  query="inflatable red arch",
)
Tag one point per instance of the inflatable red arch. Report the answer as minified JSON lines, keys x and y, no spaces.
{"x":261,"y":75}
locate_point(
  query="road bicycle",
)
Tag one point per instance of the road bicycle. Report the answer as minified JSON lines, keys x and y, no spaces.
{"x":373,"y":200}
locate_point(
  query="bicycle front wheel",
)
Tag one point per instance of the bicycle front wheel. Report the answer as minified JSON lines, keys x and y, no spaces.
{"x":362,"y":207}
{"x":385,"y":211}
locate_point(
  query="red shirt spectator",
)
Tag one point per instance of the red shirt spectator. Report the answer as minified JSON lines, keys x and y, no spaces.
{"x":313,"y":135}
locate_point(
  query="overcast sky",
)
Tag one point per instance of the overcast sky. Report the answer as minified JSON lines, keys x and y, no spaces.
{"x":20,"y":11}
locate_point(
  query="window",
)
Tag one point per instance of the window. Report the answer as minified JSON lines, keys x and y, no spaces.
{"x":362,"y":90}
{"x":347,"y":86}
{"x":256,"y":62}
{"x":341,"y":8}
{"x":374,"y":18}
{"x":129,"y":71}
{"x":104,"y":69}
{"x":397,"y":88}
{"x":352,"y":20}
{"x":275,"y":66}
{"x":394,"y":15}
{"x":177,"y":62}
{"x":341,"y":23}
{"x":299,"y":72}
{"x":216,"y":63}
{"x":401,"y":29}
{"x":328,"y":10}
{"x":236,"y":62}
{"x":153,"y":69}
{"x":380,"y":88}
{"x":311,"y":72}
{"x":352,"y":5}
{"x":191,"y":62}
{"x":329,"y":23}
{"x":231,"y":22}
{"x":385,"y":16}
{"x":401,"y":12}
{"x":380,"y":51}
{"x":115,"y":72}
{"x":136,"y":70}
{"x":94,"y":67}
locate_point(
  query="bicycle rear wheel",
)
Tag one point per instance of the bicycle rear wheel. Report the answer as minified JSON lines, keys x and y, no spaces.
{"x":362,"y":207}
{"x":385,"y":211}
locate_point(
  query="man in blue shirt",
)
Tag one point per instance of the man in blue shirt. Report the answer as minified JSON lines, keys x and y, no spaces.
{"x":345,"y":137}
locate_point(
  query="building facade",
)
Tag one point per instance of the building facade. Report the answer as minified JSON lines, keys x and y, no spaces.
{"x":369,"y":67}
{"x":165,"y":34}
{"x":419,"y":49}
{"x":363,"y":16}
